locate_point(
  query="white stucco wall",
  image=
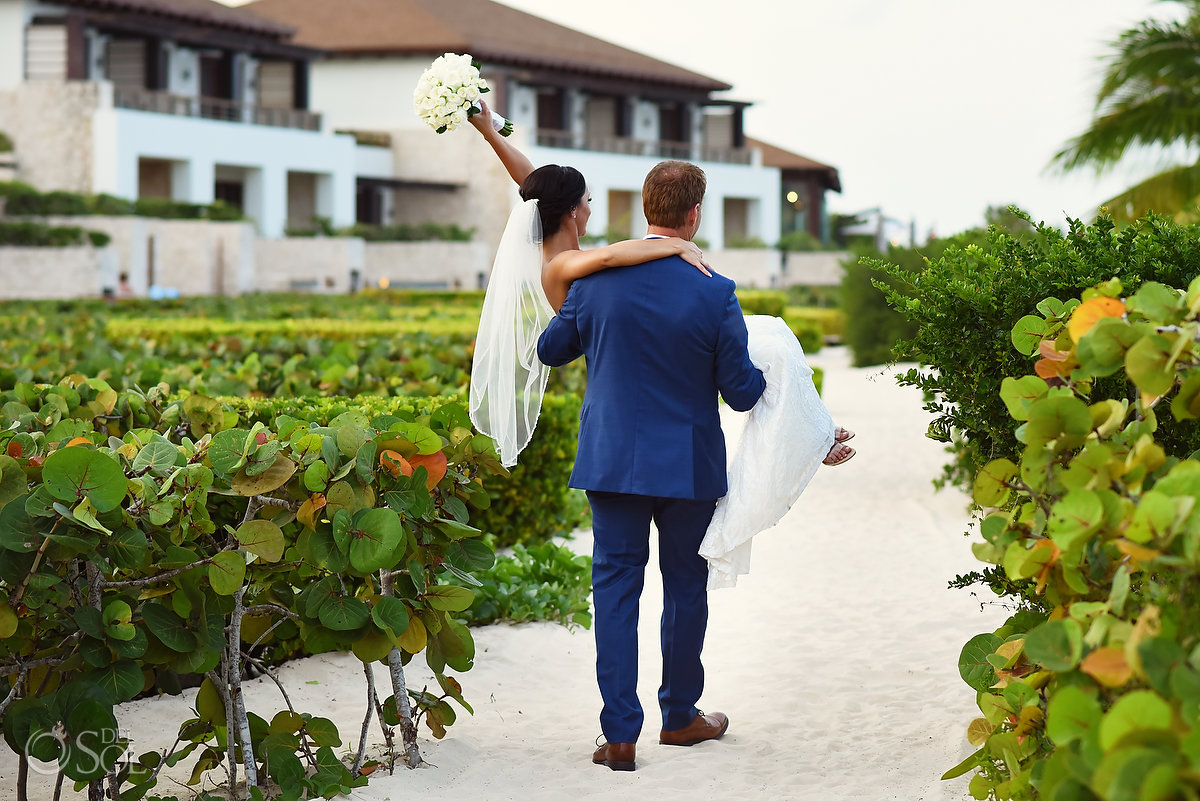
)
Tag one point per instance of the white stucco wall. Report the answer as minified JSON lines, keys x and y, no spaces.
{"x":372,"y":161}
{"x":183,"y":70}
{"x":12,"y":44}
{"x":646,"y":121}
{"x":195,"y":257}
{"x":369,"y":93}
{"x":123,"y":136}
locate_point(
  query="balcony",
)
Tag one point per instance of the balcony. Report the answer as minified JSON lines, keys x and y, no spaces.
{"x":212,"y":108}
{"x":641,"y":147}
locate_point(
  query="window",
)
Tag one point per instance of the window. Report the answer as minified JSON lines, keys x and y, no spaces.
{"x":550,"y":112}
{"x":46,"y":53}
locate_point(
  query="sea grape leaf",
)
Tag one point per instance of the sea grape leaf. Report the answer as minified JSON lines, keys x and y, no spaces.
{"x":390,"y":614}
{"x":1056,"y":645}
{"x":1070,"y":714}
{"x":226,"y":571}
{"x":1028,"y":333}
{"x":262,"y":538}
{"x":278,"y":474}
{"x":1147,"y":365}
{"x":158,"y":457}
{"x":375,"y":533}
{"x":226,"y":452}
{"x":972,"y":661}
{"x":1019,"y":393}
{"x":72,"y":474}
{"x":991,"y":482}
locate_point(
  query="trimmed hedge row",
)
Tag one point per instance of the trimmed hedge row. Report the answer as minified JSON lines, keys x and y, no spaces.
{"x":23,"y":199}
{"x":39,"y":235}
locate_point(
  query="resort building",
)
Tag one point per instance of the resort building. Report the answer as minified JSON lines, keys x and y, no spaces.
{"x":183,"y":99}
{"x":299,"y":113}
{"x":574,"y":99}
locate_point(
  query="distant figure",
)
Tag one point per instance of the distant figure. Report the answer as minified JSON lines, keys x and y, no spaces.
{"x":124,"y":288}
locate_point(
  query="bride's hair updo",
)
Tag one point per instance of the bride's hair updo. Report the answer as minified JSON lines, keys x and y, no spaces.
{"x":557,"y":190}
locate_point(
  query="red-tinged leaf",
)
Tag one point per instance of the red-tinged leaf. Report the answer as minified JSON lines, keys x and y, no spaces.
{"x":1049,"y":352}
{"x":394,"y":463}
{"x":261,"y":437}
{"x":15,"y":450}
{"x":1047,"y":369}
{"x":1107,"y":666}
{"x":434,"y":463}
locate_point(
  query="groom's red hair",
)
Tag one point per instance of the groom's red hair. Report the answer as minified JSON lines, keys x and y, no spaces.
{"x":670,"y":190}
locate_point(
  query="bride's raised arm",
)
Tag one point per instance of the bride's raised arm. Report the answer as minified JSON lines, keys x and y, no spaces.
{"x":517,"y":163}
{"x":572,"y":264}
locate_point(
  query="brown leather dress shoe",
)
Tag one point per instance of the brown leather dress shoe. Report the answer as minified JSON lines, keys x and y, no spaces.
{"x":703,"y":727}
{"x":616,"y":756}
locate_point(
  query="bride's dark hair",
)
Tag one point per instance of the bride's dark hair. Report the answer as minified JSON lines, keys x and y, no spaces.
{"x":557,"y":190}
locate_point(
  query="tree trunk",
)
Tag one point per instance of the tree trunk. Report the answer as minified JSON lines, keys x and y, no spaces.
{"x":408,"y":729}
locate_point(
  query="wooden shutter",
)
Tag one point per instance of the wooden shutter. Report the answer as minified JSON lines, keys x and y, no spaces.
{"x":127,"y":63}
{"x":718,"y":131}
{"x":601,"y":117}
{"x":46,"y":53}
{"x":276,"y":84}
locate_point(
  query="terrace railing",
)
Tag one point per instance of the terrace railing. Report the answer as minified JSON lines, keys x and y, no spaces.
{"x":213,"y":108}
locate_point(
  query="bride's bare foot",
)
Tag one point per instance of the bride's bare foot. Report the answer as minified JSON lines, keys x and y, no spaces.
{"x":838,"y":454}
{"x":842,"y":434}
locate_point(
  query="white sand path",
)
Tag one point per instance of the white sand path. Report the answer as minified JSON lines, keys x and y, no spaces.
{"x":835,"y":659}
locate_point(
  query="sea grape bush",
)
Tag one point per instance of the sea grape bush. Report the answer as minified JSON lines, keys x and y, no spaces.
{"x":1092,"y":690}
{"x":962,"y":302}
{"x":143,"y":538}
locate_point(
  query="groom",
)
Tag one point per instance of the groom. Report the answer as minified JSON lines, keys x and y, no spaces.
{"x":661,"y":340}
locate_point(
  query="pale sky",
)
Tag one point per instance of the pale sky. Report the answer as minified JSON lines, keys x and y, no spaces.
{"x":930,"y":109}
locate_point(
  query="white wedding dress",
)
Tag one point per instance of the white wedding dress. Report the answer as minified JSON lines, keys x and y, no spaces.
{"x":786,"y":435}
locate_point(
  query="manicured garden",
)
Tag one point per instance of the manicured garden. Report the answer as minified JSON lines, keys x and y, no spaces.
{"x":195,"y":490}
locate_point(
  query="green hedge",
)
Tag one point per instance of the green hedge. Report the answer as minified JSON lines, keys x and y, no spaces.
{"x":762,"y":301}
{"x":38,"y":235}
{"x":962,"y":306}
{"x":25,"y":200}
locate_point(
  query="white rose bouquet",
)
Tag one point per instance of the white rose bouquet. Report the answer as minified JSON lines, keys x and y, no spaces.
{"x":448,"y":93}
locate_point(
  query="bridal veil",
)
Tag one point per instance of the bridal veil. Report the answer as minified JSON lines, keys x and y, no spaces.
{"x":507,"y":379}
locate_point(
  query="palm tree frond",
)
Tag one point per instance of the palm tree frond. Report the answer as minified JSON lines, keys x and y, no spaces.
{"x":1172,"y":192}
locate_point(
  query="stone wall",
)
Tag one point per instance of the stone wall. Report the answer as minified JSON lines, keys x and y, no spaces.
{"x":435,"y":265}
{"x":821,"y":268}
{"x":194,"y":257}
{"x":756,"y":268}
{"x":318,"y":264}
{"x":44,"y":273}
{"x":50,"y":124}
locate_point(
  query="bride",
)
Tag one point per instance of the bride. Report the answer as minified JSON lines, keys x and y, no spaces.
{"x":538,"y":258}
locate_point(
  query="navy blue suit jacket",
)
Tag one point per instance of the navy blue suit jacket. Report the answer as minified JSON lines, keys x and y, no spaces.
{"x":661,"y":340}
